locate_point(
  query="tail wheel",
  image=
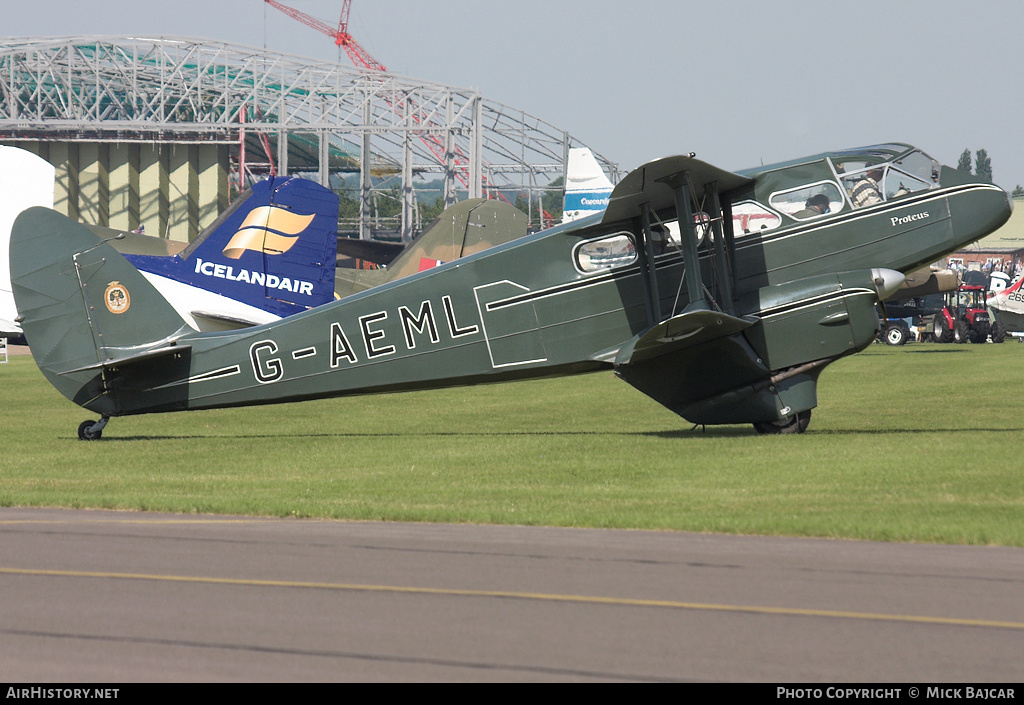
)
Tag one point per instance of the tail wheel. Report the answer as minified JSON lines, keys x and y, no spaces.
{"x":85,"y":432}
{"x":791,"y":424}
{"x":92,"y":430}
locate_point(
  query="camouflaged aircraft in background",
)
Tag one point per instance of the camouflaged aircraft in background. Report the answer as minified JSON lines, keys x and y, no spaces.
{"x":775,"y":274}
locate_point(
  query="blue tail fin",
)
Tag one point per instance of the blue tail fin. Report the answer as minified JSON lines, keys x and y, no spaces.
{"x":273,"y":249}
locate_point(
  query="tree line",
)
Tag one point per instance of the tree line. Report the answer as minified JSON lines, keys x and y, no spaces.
{"x":982,"y":168}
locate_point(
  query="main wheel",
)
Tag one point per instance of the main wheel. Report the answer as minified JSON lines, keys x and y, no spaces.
{"x":85,"y":434}
{"x":791,"y":424}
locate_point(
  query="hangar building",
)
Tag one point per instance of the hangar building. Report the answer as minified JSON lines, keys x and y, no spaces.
{"x":161,"y":132}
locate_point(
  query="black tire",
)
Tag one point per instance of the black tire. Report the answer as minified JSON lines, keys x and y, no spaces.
{"x":940,"y":331}
{"x":895,"y":335}
{"x":961,"y":334}
{"x":85,"y":435}
{"x":998,"y":332}
{"x":791,"y":424}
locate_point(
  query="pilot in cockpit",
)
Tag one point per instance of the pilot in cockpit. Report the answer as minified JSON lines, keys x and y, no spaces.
{"x":815,"y":206}
{"x":868,"y":190}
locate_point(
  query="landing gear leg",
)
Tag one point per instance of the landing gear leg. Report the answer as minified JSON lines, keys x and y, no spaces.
{"x":792,"y":424}
{"x":92,"y":430}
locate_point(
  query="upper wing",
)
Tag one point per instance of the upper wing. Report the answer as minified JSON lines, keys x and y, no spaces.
{"x":650,"y":184}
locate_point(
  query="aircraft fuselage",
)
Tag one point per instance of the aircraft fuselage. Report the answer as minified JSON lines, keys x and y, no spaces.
{"x":782,"y":291}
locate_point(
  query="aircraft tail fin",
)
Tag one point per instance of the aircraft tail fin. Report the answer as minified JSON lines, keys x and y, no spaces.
{"x":274,"y":249}
{"x":464,"y":229}
{"x":587,"y":189}
{"x":83,"y":306}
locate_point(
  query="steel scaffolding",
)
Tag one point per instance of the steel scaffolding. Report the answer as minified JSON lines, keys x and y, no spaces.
{"x":297,"y":114}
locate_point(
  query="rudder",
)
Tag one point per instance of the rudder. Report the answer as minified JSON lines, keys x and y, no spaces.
{"x":82,"y":305}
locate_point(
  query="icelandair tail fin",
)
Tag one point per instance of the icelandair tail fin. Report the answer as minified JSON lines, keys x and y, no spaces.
{"x":25,"y":180}
{"x":274,"y":249}
{"x":84,"y":307}
{"x":587,"y":189}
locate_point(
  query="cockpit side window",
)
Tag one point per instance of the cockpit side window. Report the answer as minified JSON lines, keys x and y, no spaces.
{"x":910,"y":174}
{"x":867,"y":183}
{"x":862,"y":182}
{"x":750,"y":218}
{"x":808,"y":202}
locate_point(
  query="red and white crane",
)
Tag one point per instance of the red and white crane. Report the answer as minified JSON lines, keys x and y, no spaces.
{"x":340,"y":34}
{"x":362,"y":59}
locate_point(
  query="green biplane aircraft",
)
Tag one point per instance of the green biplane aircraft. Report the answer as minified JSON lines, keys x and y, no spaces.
{"x":720,"y":295}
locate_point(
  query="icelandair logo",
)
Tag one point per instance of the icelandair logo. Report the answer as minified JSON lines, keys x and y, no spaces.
{"x":266,"y":229}
{"x":256,"y":232}
{"x":271,"y":281}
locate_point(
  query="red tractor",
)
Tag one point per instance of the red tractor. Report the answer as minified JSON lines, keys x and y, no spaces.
{"x":965,"y":318}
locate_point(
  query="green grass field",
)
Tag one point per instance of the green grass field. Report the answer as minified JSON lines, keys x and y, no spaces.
{"x":920,"y":443}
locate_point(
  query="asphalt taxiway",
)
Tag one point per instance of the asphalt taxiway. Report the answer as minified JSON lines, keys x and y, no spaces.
{"x":118,"y":596}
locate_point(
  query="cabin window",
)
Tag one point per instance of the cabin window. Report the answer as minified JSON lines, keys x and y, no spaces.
{"x":910,"y":174}
{"x":809,"y":202}
{"x":665,"y":235}
{"x":749,"y":217}
{"x":605,"y":253}
{"x":701,"y":225}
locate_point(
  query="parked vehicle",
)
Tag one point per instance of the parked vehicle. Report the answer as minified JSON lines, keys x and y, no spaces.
{"x":965,"y":318}
{"x":895,"y":331}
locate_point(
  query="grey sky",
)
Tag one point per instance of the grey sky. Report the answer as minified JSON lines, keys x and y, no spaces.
{"x":739,"y":82}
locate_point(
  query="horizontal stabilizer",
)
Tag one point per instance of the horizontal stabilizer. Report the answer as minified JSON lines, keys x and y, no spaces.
{"x":9,"y":328}
{"x":679,"y":332}
{"x":369,"y":250}
{"x":222,"y":321}
{"x":127,"y":358}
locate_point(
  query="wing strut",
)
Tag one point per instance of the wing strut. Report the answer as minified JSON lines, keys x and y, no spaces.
{"x":681,"y":189}
{"x":648,"y":274}
{"x":722,"y":269}
{"x":699,"y":296}
{"x":683,"y":184}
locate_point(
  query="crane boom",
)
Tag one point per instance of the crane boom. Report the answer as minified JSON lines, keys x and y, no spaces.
{"x":360,"y":57}
{"x":356,"y":53}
